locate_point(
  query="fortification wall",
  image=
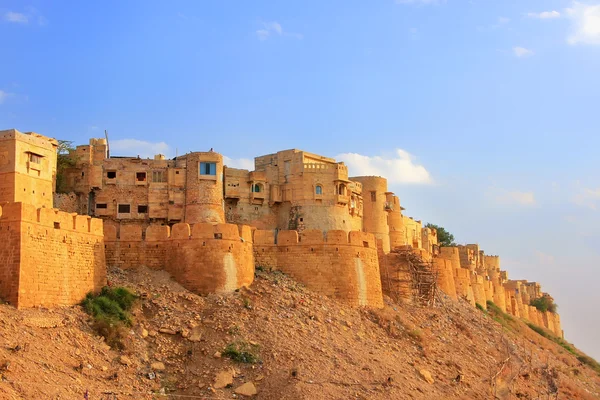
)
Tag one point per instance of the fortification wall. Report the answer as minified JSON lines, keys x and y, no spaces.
{"x":341,"y":265}
{"x":445,"y":276}
{"x":204,"y":258}
{"x":49,"y":257}
{"x":479,"y":296}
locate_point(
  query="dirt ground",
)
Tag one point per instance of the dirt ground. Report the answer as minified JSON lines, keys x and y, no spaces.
{"x":308,"y":347}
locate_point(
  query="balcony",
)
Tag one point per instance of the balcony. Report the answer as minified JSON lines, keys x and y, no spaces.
{"x":232,"y":193}
{"x":341,"y":173}
{"x":342,"y":199}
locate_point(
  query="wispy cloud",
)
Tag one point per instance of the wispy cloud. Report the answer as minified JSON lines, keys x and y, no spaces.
{"x":135,"y":147}
{"x":274,"y":28}
{"x":16,"y":17}
{"x":511,"y":197}
{"x":400,"y":167}
{"x":585,"y":19}
{"x":241,"y":163}
{"x":522,"y":52}
{"x":544,"y":15}
{"x":587,"y":198}
{"x":3,"y":96}
{"x":500,"y":22}
{"x":422,"y":2}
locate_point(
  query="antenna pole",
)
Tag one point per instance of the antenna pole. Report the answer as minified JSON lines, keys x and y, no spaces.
{"x":107,"y":144}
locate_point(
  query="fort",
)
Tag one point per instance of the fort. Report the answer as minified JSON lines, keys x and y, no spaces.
{"x":210,"y":226}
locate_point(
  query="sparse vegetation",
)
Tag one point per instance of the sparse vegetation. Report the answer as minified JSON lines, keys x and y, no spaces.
{"x":63,"y":162}
{"x":584,"y":359}
{"x":110,"y":311}
{"x":504,"y":319}
{"x":480,"y":307}
{"x":544,"y":304}
{"x":445,"y":238}
{"x":242,"y":352}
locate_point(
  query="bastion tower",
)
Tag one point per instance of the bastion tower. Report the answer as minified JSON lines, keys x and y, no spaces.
{"x":204,"y":188}
{"x":375,"y":220}
{"x":395,"y":221}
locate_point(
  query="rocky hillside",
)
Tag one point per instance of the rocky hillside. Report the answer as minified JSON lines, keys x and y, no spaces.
{"x":289,"y":343}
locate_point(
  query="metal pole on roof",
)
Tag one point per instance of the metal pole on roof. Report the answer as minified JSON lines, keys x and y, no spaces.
{"x":107,"y":144}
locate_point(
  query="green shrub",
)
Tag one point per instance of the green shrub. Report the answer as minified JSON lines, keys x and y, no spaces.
{"x":480,"y":307}
{"x":242,"y":352}
{"x":110,"y":311}
{"x":584,"y":359}
{"x":544,"y":304}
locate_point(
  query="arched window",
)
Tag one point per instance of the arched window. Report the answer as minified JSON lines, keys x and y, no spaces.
{"x":319,"y":189}
{"x":342,"y":190}
{"x":257,"y":188}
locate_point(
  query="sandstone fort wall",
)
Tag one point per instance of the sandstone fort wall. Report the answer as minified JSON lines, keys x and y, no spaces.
{"x":50,"y":257}
{"x":204,"y":258}
{"x":342,"y":265}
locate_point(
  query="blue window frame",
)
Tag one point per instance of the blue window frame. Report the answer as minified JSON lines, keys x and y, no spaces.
{"x":208,"y":168}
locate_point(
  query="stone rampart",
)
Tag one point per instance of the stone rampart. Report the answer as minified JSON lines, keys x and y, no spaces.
{"x":49,"y":257}
{"x":341,"y":265}
{"x":204,"y":258}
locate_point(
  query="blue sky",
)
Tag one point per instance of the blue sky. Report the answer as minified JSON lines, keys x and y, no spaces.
{"x":483,"y":114}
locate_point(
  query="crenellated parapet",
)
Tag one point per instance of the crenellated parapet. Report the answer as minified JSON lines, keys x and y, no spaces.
{"x":338,"y":264}
{"x":49,"y":257}
{"x":204,"y":258}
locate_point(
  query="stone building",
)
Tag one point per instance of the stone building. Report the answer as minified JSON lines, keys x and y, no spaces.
{"x":133,"y":190}
{"x":27,"y":168}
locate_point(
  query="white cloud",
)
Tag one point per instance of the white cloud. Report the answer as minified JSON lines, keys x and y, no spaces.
{"x":241,"y":163}
{"x":585,"y":20}
{"x":397,"y":168}
{"x":544,"y":15}
{"x":587,"y":198}
{"x":135,"y":147}
{"x":511,"y":197}
{"x":522,"y":52}
{"x":503,"y":20}
{"x":16,"y":17}
{"x":420,"y":1}
{"x":274,"y":28}
{"x":3,"y":96}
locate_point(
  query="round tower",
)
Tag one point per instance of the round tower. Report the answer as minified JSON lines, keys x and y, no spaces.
{"x":375,"y":208}
{"x":396,"y":223}
{"x":204,"y":188}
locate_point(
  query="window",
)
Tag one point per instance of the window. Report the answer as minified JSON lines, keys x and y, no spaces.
{"x":159,"y":176}
{"x":319,"y":189}
{"x":342,"y":190}
{"x":140,"y":176}
{"x":111,"y":174}
{"x":208,"y":168}
{"x":35,"y":158}
{"x":373,"y":196}
{"x":142,"y":209}
{"x":124,"y":208}
{"x":101,"y":205}
{"x":257,"y":188}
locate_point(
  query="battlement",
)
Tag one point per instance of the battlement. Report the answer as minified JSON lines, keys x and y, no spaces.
{"x":315,"y":237}
{"x":50,"y":218}
{"x":180,"y":231}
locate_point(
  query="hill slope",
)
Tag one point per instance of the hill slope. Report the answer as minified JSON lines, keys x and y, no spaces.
{"x":309,"y":347}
